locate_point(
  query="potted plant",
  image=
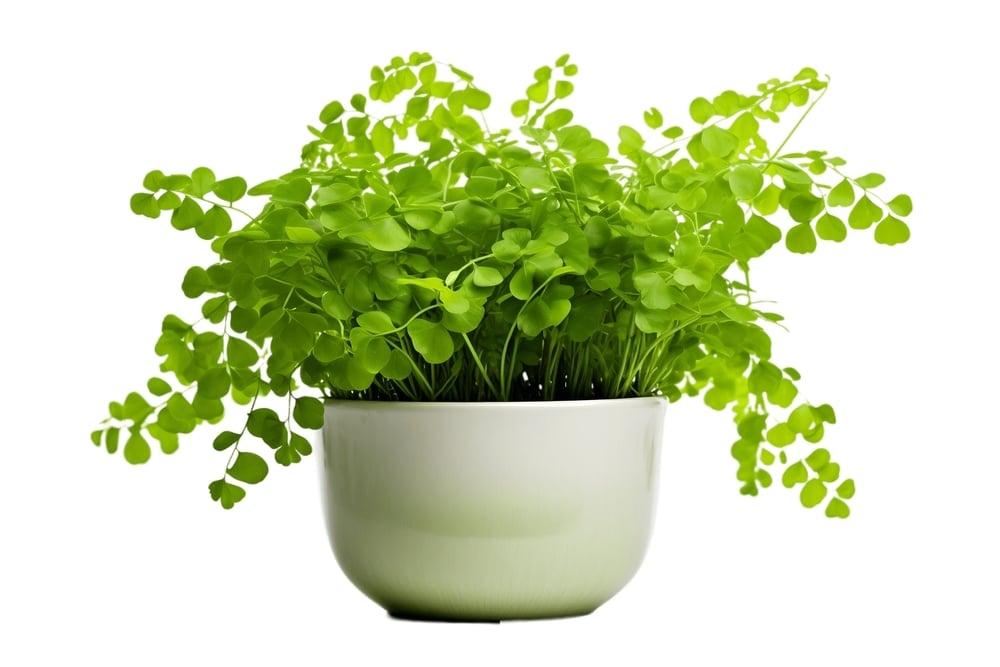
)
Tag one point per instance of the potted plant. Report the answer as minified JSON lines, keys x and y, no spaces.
{"x":495,"y":320}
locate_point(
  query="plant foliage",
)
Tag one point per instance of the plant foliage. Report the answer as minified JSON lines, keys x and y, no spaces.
{"x":417,"y":255}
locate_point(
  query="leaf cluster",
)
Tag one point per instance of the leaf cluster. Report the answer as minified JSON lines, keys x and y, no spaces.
{"x":417,"y":255}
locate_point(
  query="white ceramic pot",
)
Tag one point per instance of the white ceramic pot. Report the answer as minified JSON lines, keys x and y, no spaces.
{"x":491,"y":511}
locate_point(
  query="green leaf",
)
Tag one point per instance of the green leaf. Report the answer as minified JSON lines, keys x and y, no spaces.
{"x":846,"y":489}
{"x":230,"y":189}
{"x":331,"y":112}
{"x":538,"y":92}
{"x":328,"y":348}
{"x":336,"y":306}
{"x":431,"y":339}
{"x":794,"y":474}
{"x":208,"y":408}
{"x":558,"y":118}
{"x":169,"y":443}
{"x":168,"y":201}
{"x":745,"y":181}
{"x":819,"y":459}
{"x":240,"y":353}
{"x":825,"y":412}
{"x":461,"y":74}
{"x":176,"y":182}
{"x":837,"y":509}
{"x":454,"y":302}
{"x":804,"y":207}
{"x":901,"y":205}
{"x":768,"y":200}
{"x":687,"y":250}
{"x":780,"y":435}
{"x":718,"y":142}
{"x":534,"y":178}
{"x":153,"y":180}
{"x":215,"y":309}
{"x":383,"y":139}
{"x":801,"y":419}
{"x":422,"y":219}
{"x":701,"y":110}
{"x":376,"y":322}
{"x":287,"y":455}
{"x":143,"y":203}
{"x":653,"y":118}
{"x":399,"y":366}
{"x":178,"y":416}
{"x":831,"y":228}
{"x":158,"y":387}
{"x":202,"y":180}
{"x":111,"y":439}
{"x":892,"y":231}
{"x":745,"y":126}
{"x":869,"y":181}
{"x":673,"y":132}
{"x":187,"y":216}
{"x":248,"y":467}
{"x":830,"y":473}
{"x":476,"y":99}
{"x":135,"y":408}
{"x":300,"y":444}
{"x":864,"y":214}
{"x":812,"y":493}
{"x":373,"y":353}
{"x":336,"y":193}
{"x":783,"y":394}
{"x":136,"y":448}
{"x":116,"y":410}
{"x":227,"y":494}
{"x":465,"y":321}
{"x":801,"y":239}
{"x":654,"y":292}
{"x":386,"y":234}
{"x":215,"y":222}
{"x":521,"y":285}
{"x":485,"y":276}
{"x":308,"y":412}
{"x":214,"y":383}
{"x":263,"y":423}
{"x":842,"y":194}
{"x":631,"y":140}
{"x":540,"y":314}
{"x":225,"y":440}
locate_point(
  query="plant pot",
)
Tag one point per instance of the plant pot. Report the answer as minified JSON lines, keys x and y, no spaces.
{"x":491,"y":511}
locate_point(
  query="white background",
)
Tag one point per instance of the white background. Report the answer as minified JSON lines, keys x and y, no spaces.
{"x":105,"y":563}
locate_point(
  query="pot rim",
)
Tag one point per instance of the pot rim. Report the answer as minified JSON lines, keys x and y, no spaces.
{"x":586,"y":402}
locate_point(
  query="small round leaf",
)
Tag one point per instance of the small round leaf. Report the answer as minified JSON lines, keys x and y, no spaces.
{"x":813,"y":493}
{"x":248,"y":467}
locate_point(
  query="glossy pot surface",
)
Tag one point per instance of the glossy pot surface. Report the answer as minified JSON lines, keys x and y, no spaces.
{"x":491,"y":511}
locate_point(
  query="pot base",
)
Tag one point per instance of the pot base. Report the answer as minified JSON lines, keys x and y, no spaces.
{"x":425,"y":618}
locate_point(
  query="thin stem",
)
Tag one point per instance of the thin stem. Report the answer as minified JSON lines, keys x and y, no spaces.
{"x":777,"y":152}
{"x":479,"y":364}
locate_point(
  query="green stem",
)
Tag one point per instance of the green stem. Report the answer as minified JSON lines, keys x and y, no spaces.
{"x":479,"y":364}
{"x":795,"y":127}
